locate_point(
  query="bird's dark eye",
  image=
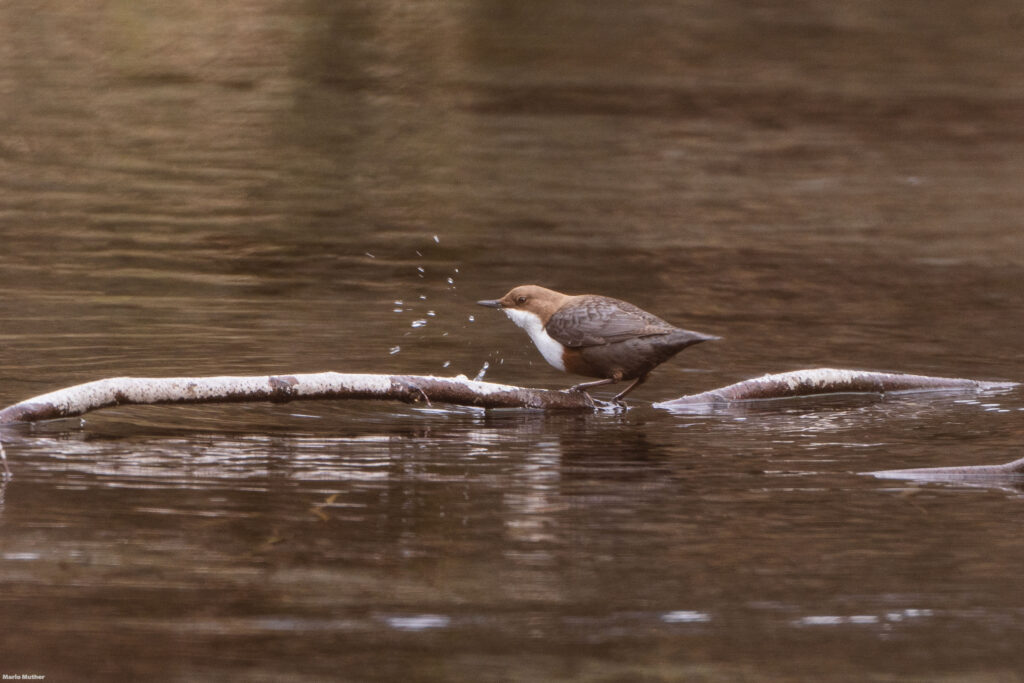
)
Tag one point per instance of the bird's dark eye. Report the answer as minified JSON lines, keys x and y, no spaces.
{"x":520,"y":300}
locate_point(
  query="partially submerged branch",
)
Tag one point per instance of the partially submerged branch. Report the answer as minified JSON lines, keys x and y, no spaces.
{"x":118,"y":391}
{"x":826,"y":381}
{"x":966,"y":473}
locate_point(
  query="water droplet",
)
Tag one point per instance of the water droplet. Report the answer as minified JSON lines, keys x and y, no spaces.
{"x":420,"y":268}
{"x":398,"y":310}
{"x":456,"y":270}
{"x":398,"y":302}
{"x":423,"y":297}
{"x":483,"y":371}
{"x":431,"y":314}
{"x":446,"y":364}
{"x":394,"y":350}
{"x":418,"y":323}
{"x":369,"y":254}
{"x":437,"y":240}
{"x":451,"y":281}
{"x":472,"y":319}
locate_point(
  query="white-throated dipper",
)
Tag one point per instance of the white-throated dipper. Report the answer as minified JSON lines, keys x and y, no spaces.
{"x":594,"y":336}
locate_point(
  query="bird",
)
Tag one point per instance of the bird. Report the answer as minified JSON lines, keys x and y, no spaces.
{"x":593,"y":335}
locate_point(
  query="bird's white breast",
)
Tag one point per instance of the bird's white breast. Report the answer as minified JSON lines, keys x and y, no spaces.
{"x":548,"y":347}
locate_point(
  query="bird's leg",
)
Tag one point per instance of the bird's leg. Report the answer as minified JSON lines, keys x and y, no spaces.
{"x":590,"y":385}
{"x":637,"y":382}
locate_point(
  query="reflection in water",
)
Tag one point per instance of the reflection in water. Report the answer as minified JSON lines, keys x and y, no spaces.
{"x":510,"y":526}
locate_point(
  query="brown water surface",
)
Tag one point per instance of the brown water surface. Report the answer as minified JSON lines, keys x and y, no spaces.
{"x":254,"y":187}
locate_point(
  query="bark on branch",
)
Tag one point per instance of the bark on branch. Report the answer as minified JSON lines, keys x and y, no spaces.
{"x":118,"y":391}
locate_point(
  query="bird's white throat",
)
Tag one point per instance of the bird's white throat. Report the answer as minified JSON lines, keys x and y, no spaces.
{"x":548,"y":347}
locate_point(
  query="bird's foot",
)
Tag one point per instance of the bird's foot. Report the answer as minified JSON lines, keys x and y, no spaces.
{"x":611,"y":407}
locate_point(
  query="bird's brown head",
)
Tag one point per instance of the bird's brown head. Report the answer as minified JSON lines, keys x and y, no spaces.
{"x":530,"y":298}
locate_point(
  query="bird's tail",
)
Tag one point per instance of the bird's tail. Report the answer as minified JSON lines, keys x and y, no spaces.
{"x":682,"y":338}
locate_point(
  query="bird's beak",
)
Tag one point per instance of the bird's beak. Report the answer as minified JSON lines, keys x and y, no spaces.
{"x":490,"y":303}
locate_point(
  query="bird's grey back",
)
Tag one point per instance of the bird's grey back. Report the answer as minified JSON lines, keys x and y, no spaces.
{"x":592,"y":320}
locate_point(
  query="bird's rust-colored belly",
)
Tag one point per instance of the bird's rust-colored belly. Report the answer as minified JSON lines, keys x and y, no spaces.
{"x":576,"y":363}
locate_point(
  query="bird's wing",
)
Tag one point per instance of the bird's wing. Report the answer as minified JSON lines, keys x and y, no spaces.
{"x":598,"y":320}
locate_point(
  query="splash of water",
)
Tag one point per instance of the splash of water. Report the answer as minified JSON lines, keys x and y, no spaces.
{"x":483,"y":371}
